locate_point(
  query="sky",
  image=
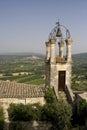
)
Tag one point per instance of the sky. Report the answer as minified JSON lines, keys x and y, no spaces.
{"x":25,"y":24}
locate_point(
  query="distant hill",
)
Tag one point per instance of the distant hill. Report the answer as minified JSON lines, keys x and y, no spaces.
{"x":22,"y":54}
{"x":80,"y":63}
{"x":80,"y":57}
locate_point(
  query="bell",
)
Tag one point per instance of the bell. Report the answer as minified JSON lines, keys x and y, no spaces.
{"x":58,"y":33}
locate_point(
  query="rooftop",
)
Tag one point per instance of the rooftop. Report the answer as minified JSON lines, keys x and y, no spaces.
{"x":20,"y":90}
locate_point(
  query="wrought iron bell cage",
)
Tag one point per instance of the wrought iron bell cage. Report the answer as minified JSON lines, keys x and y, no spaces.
{"x":57,"y":32}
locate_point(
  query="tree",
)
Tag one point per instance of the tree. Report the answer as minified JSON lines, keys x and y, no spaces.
{"x":50,"y":95}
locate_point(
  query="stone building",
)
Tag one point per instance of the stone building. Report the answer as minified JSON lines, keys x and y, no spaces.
{"x":12,"y":92}
{"x":58,"y":64}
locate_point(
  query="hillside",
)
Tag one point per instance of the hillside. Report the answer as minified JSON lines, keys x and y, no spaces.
{"x":23,"y":68}
{"x":30,"y":68}
{"x":79,"y":78}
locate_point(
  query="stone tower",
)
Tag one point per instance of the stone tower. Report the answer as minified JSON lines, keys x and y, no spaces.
{"x":59,"y":61}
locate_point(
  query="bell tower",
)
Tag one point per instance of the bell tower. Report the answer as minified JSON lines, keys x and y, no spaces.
{"x":58,"y":60}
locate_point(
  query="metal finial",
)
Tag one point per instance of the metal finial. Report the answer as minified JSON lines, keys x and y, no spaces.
{"x":58,"y":23}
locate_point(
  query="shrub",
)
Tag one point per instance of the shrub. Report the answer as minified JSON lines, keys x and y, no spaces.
{"x":21,"y":112}
{"x":82,"y":112}
{"x":50,"y":96}
{"x":1,"y":118}
{"x":59,"y":114}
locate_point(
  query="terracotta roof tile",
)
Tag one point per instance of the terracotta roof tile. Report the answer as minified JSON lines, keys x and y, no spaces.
{"x":20,"y":90}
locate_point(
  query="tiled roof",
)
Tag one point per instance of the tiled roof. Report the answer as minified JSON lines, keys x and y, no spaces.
{"x":20,"y":90}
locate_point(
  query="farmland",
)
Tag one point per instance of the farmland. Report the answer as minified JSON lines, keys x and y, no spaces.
{"x":22,"y":68}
